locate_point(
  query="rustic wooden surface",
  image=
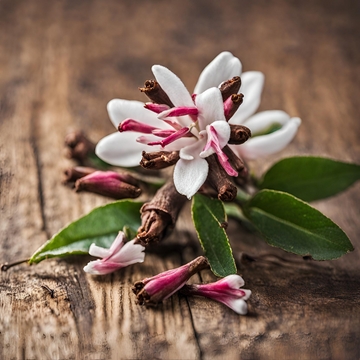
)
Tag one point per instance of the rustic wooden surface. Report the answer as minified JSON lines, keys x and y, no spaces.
{"x":60,"y":62}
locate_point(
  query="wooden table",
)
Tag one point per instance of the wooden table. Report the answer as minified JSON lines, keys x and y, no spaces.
{"x":60,"y":63}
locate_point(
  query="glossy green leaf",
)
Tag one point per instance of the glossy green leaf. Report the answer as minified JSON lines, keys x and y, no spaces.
{"x":100,"y":226}
{"x":209,"y":216}
{"x":295,"y":226}
{"x":310,"y":178}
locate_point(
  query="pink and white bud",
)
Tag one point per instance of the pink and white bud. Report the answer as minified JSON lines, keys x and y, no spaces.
{"x":178,"y":111}
{"x":151,"y":291}
{"x":226,"y":291}
{"x":118,"y":256}
{"x":109,"y":183}
{"x":133,"y":125}
{"x":218,"y":137}
{"x":156,"y":108}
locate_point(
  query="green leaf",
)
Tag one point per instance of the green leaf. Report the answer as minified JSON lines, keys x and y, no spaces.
{"x":310,"y":178}
{"x":208,"y":216}
{"x":295,"y":226}
{"x":100,"y":226}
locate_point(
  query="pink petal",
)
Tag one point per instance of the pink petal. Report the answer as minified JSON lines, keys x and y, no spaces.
{"x":213,"y":145}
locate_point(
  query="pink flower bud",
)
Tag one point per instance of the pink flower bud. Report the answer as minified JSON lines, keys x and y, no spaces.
{"x":151,"y":291}
{"x":109,"y":183}
{"x":226,"y":290}
{"x":117,"y":257}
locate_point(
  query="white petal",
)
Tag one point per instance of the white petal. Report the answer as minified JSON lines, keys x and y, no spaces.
{"x":130,"y":253}
{"x":210,"y":106}
{"x":122,"y":149}
{"x":190,"y":175}
{"x":238,"y":305}
{"x":234,"y":281}
{"x":262,"y":121}
{"x":247,"y":294}
{"x":224,"y":67}
{"x":252,"y":83}
{"x":180,"y":143}
{"x":192,"y":151}
{"x":98,"y":251}
{"x":119,"y":110}
{"x":271,"y":143}
{"x":118,"y":243}
{"x":91,"y":268}
{"x":173,"y":86}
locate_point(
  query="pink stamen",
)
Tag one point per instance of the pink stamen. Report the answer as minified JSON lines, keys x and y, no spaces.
{"x":156,"y":108}
{"x":174,"y":124}
{"x":175,"y":136}
{"x":163,"y":133}
{"x":193,"y":96}
{"x":133,"y":125}
{"x":213,"y":142}
{"x":166,"y":133}
{"x":179,"y":111}
{"x":228,"y":105}
{"x":145,"y":139}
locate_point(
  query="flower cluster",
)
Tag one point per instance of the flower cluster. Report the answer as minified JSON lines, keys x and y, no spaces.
{"x":187,"y":130}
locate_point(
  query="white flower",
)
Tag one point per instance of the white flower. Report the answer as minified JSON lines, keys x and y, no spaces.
{"x":196,"y":126}
{"x":224,"y":67}
{"x":117,"y":257}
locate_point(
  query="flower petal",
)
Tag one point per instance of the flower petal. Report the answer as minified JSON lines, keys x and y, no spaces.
{"x":269,"y":144}
{"x":193,"y":150}
{"x":120,"y":110}
{"x":99,"y":267}
{"x":122,"y":149}
{"x":98,"y":251}
{"x":238,"y":305}
{"x":190,"y":175}
{"x":130,"y":253}
{"x":252,"y":83}
{"x":233,"y":281}
{"x":210,"y":106}
{"x":222,"y":129}
{"x":263,"y":121}
{"x":173,"y":86}
{"x":224,"y":67}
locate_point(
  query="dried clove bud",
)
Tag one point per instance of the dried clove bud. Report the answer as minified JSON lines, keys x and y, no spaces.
{"x":155,"y":93}
{"x":219,"y":180}
{"x":151,"y":291}
{"x":159,"y":160}
{"x":160,"y":214}
{"x":107,"y":183}
{"x":79,"y":146}
{"x":77,"y":172}
{"x":239,"y":134}
{"x":230,"y":87}
{"x":232,"y":104}
{"x":235,"y":161}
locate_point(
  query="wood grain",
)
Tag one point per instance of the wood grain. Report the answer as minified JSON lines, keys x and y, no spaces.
{"x":60,"y":63}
